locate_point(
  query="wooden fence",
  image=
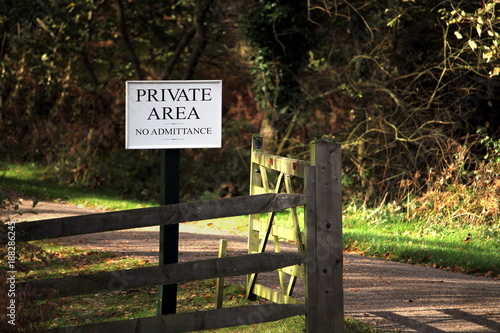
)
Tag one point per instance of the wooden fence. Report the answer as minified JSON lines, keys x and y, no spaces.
{"x":318,"y":259}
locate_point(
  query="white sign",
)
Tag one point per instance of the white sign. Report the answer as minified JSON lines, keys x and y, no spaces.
{"x":173,"y":114}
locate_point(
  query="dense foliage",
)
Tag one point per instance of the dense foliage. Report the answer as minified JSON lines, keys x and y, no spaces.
{"x":409,"y":87}
{"x":64,"y":66}
{"x":282,"y":36}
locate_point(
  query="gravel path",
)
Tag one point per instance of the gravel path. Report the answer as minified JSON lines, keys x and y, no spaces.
{"x":392,"y":296}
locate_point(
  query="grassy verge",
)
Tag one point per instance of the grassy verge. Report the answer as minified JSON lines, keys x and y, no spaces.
{"x":388,"y":234}
{"x":29,"y":180}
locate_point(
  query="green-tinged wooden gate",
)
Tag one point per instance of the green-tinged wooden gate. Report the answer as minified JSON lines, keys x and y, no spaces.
{"x":318,"y":237}
{"x":318,"y":259}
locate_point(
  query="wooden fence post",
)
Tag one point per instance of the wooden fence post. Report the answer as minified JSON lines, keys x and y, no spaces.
{"x":219,"y":286}
{"x":325,"y":300}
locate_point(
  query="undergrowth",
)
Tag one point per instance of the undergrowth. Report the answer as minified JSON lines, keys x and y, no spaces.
{"x":464,"y":191}
{"x":450,"y":219}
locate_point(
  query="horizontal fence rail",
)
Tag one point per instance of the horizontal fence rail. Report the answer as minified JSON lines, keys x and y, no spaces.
{"x":286,"y":165}
{"x":193,"y":321}
{"x":161,"y":215}
{"x":165,"y":274}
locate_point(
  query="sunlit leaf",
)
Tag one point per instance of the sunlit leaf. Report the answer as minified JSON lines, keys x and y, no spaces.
{"x":472,"y":44}
{"x":495,"y":71}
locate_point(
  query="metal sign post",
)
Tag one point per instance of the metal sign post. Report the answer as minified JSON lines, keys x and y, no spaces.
{"x":169,"y":234}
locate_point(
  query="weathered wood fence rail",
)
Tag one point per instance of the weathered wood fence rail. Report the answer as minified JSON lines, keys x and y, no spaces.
{"x":145,"y":217}
{"x":318,"y":259}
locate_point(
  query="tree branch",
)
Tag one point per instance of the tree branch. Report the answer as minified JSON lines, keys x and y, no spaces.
{"x":126,"y":39}
{"x":200,"y":38}
{"x":186,"y":39}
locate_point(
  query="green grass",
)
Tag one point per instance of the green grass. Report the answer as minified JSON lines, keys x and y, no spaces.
{"x":30,"y":181}
{"x":66,"y":261}
{"x":59,"y":261}
{"x":387,"y":234}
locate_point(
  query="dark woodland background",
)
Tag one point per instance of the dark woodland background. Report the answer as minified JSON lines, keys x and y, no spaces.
{"x":410,"y":88}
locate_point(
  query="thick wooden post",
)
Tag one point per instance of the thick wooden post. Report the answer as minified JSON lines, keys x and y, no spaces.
{"x":325,"y":300}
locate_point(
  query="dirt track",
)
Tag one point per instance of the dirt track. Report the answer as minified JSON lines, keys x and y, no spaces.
{"x":391,"y":296}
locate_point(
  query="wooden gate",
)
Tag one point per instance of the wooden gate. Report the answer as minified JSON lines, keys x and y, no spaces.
{"x":319,"y":237}
{"x":318,"y":259}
